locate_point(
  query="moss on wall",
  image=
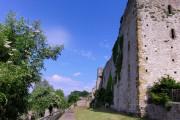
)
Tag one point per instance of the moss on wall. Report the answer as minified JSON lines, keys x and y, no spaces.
{"x":118,"y":56}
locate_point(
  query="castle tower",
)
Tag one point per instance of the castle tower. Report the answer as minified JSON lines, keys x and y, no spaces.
{"x":158,"y":38}
{"x":99,"y":78}
{"x":148,"y":48}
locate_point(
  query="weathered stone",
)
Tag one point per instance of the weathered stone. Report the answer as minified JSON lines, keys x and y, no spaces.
{"x":150,"y":53}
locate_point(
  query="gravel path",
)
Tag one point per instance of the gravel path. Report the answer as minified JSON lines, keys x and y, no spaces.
{"x":69,"y":115}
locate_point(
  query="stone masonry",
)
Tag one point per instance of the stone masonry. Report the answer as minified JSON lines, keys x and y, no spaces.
{"x":99,"y":78}
{"x":151,"y":45}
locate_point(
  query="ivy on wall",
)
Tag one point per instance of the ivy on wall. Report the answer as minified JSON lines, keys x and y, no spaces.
{"x":118,"y":56}
{"x":110,"y":83}
{"x":104,"y":95}
{"x":109,"y":90}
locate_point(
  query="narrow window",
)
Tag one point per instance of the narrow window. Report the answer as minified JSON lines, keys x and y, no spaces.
{"x":129,"y":68}
{"x":169,"y":9}
{"x":173,"y":34}
{"x":128,"y":45}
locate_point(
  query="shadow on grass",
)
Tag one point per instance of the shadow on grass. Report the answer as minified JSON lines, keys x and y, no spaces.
{"x":105,"y":110}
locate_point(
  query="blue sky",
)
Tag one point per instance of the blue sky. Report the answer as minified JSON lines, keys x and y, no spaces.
{"x":87,"y":28}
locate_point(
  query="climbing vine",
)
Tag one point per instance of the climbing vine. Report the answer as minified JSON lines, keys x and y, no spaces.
{"x":110,"y":83}
{"x":109,"y":90}
{"x":104,"y":95}
{"x":118,"y":56}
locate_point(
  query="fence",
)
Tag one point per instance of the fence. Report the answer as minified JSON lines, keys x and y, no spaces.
{"x":174,"y":94}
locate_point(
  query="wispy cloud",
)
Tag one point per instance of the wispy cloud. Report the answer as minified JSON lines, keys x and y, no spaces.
{"x":57,"y":36}
{"x":106,"y":57}
{"x":84,"y":53}
{"x":105,"y":44}
{"x":77,"y":74}
{"x":67,"y":84}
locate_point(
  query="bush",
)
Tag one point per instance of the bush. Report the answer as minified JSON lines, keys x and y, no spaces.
{"x":104,"y":96}
{"x":100,"y":95}
{"x":160,"y":93}
{"x":3,"y":99}
{"x":159,"y":99}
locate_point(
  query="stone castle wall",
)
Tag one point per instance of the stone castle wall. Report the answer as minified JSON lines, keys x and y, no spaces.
{"x":151,"y":48}
{"x":125,"y":90}
{"x":99,"y":78}
{"x":160,"y":113}
{"x":158,"y":49}
{"x":108,"y":70}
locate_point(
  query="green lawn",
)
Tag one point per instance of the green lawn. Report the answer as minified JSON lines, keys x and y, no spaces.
{"x":90,"y":114}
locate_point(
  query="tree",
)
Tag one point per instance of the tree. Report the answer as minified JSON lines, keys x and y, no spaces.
{"x":23,"y":48}
{"x":64,"y":103}
{"x":43,"y":96}
{"x":59,"y":92}
{"x":73,"y":98}
{"x":75,"y":95}
{"x":80,"y":93}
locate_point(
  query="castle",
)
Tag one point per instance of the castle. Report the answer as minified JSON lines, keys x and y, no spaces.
{"x":147,"y":48}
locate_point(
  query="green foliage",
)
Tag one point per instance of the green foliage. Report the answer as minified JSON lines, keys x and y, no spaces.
{"x":118,"y":56}
{"x":109,"y":91}
{"x":59,"y":92}
{"x":160,"y":92}
{"x":75,"y":96}
{"x":3,"y":99}
{"x":100,"y":97}
{"x":110,"y":83}
{"x":23,"y":48}
{"x":63,"y":104}
{"x":44,"y":96}
{"x":13,"y":83}
{"x":103,"y":96}
{"x":81,"y":93}
{"x":159,"y":99}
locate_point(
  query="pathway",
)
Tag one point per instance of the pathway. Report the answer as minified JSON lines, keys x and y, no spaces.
{"x":69,"y":115}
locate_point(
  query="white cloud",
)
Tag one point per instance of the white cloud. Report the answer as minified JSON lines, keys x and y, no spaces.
{"x":56,"y":77}
{"x":77,"y":74}
{"x":57,"y":36}
{"x":67,"y":84}
{"x":84,"y":53}
{"x":62,"y":79}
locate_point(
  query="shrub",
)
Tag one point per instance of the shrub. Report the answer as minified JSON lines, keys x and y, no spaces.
{"x":160,"y":93}
{"x":159,"y":99}
{"x":3,"y":99}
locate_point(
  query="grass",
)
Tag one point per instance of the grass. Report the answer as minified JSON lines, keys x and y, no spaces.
{"x":99,"y":114}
